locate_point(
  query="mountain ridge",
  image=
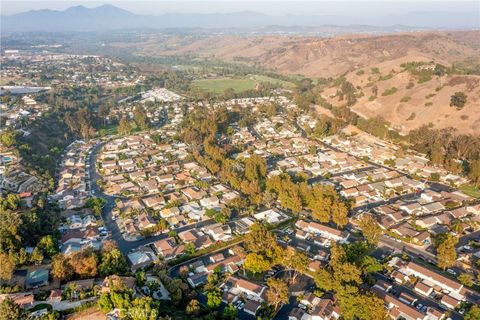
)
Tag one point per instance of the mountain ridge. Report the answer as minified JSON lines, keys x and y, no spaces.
{"x":109,"y":17}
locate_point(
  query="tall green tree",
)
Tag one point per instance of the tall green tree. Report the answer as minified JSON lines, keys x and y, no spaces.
{"x":277,"y":292}
{"x":9,"y":310}
{"x":370,"y":228}
{"x":140,"y":118}
{"x":446,"y":253}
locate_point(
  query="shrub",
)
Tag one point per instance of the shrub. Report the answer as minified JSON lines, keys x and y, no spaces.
{"x":389,"y":91}
{"x":405,"y":99}
{"x":458,"y":100}
{"x":424,"y":78}
{"x":387,"y":77}
{"x":412,"y":116}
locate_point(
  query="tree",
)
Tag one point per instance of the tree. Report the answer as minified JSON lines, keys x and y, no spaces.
{"x":370,"y":228}
{"x":36,"y":256}
{"x":11,"y":201}
{"x":104,"y":303}
{"x":466,"y":279}
{"x":193,"y":307}
{"x":6,"y":267}
{"x":140,"y":118}
{"x":446,"y":253}
{"x":61,"y":268}
{"x":362,"y":306}
{"x":230,"y":312}
{"x":48,"y":246}
{"x":256,"y":263}
{"x":9,"y":310}
{"x":84,"y":263}
{"x":214,"y":299}
{"x":143,"y":309}
{"x":340,"y":214}
{"x":295,"y":261}
{"x":112,"y":260}
{"x":124,"y":126}
{"x":474,"y":172}
{"x":370,"y":264}
{"x":259,"y":239}
{"x":458,"y":100}
{"x":473,"y":313}
{"x":96,"y":204}
{"x":8,"y":138}
{"x":277,"y":292}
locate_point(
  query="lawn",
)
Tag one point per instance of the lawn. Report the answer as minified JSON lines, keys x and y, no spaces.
{"x":470,"y":190}
{"x":109,"y":130}
{"x":219,"y":85}
{"x":278,"y":82}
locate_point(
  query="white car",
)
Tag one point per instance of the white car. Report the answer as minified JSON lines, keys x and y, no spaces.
{"x":452,"y":272}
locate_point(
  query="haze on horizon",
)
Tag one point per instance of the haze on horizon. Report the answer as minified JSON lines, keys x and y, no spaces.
{"x":271,"y":7}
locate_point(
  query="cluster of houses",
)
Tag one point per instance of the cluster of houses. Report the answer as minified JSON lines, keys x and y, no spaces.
{"x":315,"y":308}
{"x":80,"y":230}
{"x":73,"y":292}
{"x":427,"y":214}
{"x":362,"y":144}
{"x":374,"y":185}
{"x":275,"y":127}
{"x":246,"y":295}
{"x":19,"y":115}
{"x":154,"y":113}
{"x":196,"y":238}
{"x":65,"y":69}
{"x":158,"y":183}
{"x":13,"y":177}
{"x":159,"y":95}
{"x":277,"y":98}
{"x":73,"y":186}
{"x":418,"y":293}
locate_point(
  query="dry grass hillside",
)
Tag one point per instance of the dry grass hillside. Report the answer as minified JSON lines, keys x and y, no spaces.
{"x":413,"y":103}
{"x":321,"y":57}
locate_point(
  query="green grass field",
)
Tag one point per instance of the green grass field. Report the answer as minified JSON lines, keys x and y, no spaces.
{"x":282,"y":83}
{"x":219,"y":85}
{"x":470,"y":190}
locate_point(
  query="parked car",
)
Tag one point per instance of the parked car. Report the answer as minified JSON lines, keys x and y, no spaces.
{"x":452,"y":272}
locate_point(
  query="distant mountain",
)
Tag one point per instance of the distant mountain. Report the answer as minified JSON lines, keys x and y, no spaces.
{"x":109,"y":17}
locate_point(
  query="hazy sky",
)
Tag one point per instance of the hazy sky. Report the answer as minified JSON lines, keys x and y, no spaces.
{"x":312,"y":7}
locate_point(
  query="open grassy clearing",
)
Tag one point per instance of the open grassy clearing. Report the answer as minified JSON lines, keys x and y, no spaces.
{"x":278,"y":82}
{"x":219,"y":85}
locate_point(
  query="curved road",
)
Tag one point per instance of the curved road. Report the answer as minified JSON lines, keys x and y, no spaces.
{"x":124,"y":245}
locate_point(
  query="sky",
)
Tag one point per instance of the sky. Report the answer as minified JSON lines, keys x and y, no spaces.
{"x":272,"y":7}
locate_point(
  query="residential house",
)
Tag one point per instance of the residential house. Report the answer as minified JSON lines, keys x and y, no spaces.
{"x":323,"y":231}
{"x":168,"y":248}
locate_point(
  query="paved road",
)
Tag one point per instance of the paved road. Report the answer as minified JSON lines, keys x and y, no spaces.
{"x":116,"y":234}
